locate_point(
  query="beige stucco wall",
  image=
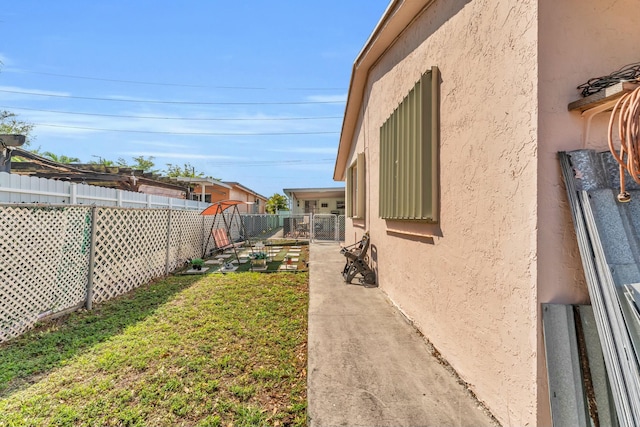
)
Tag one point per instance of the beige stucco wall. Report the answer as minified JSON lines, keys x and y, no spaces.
{"x":505,"y":242}
{"x":471,"y":288}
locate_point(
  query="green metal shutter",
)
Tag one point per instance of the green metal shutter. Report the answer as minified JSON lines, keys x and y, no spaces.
{"x":408,"y":155}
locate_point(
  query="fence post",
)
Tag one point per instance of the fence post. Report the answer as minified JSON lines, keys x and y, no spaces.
{"x":119,"y":198}
{"x":166,"y":265}
{"x":148,"y":200}
{"x":92,"y":256}
{"x":74,"y":194}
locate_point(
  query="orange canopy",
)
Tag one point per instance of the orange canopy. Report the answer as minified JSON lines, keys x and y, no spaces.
{"x":219,"y":207}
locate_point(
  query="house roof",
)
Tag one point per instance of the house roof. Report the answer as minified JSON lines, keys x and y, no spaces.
{"x":396,"y":18}
{"x":314,"y":193}
{"x":246,"y":189}
{"x":96,"y":174}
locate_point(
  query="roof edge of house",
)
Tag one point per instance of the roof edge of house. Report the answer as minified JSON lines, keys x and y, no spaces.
{"x":247,"y":189}
{"x":395,"y":19}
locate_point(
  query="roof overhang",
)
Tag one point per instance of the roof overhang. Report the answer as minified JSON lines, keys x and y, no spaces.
{"x":247,"y":190}
{"x":314,"y":193}
{"x":396,"y":18}
{"x":202,"y":181}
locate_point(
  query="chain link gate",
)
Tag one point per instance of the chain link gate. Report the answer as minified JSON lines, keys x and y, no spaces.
{"x":324,"y":227}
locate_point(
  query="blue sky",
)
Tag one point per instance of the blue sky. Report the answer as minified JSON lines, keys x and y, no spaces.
{"x":248,"y":91}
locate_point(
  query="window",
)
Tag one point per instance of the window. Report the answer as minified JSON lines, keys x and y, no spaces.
{"x":409,"y":154}
{"x":340,"y":204}
{"x":310,"y":206}
{"x":355,"y":188}
{"x":324,"y":205}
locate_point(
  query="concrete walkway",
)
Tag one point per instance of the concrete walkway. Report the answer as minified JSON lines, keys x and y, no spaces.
{"x":367,"y":365}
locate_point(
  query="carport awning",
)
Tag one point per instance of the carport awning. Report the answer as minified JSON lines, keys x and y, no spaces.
{"x":315,"y":193}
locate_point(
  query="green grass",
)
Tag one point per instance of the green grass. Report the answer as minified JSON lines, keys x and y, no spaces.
{"x":216,"y":350}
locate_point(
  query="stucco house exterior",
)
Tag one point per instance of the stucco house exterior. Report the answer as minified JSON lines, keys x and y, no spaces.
{"x":329,"y":200}
{"x":455,"y":114}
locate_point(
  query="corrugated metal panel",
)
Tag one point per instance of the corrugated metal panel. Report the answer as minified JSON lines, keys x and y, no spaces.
{"x":566,"y":391}
{"x":607,"y":234}
{"x":408,"y":154}
{"x":356,"y":195}
{"x":349,"y":193}
{"x":360,"y":189}
{"x":579,"y":392}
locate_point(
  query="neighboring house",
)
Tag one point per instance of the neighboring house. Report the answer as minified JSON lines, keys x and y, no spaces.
{"x":97,"y":174}
{"x":211,"y":190}
{"x":455,"y":113}
{"x":316,"y":200}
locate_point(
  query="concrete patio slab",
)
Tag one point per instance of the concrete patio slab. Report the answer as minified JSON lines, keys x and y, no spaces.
{"x":368,"y":366}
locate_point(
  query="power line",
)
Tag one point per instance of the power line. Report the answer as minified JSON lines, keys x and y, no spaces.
{"x":71,"y":76}
{"x":168,"y":102}
{"x":271,"y":162}
{"x":187,"y":133}
{"x":172,"y":118}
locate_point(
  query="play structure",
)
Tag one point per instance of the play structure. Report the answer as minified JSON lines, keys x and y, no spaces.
{"x":357,"y":262}
{"x":222,"y":237}
{"x":233,"y":249}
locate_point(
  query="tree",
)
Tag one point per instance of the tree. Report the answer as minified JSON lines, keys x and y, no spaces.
{"x":143,"y":163}
{"x":9,"y":124}
{"x":102,"y":161}
{"x":61,"y":158}
{"x":146,"y":164}
{"x":174,"y":171}
{"x":276,"y":203}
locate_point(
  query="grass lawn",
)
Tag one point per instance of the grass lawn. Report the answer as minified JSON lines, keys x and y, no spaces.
{"x":214,"y":350}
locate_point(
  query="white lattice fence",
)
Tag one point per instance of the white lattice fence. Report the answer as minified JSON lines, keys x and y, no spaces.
{"x":44,"y":259}
{"x":45,"y":256}
{"x":186,"y":241}
{"x":131,"y":247}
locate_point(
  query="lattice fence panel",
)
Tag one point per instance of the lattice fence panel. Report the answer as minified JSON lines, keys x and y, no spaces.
{"x":131,"y":247}
{"x":187,"y":231}
{"x":44,"y":262}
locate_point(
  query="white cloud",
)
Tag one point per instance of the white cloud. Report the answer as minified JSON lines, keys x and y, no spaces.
{"x":24,"y":92}
{"x":4,"y":60}
{"x":328,"y":98}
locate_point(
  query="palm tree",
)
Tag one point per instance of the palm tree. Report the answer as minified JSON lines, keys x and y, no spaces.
{"x":61,"y":158}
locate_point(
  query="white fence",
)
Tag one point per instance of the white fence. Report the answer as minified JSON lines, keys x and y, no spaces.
{"x":25,"y":189}
{"x":57,"y":258}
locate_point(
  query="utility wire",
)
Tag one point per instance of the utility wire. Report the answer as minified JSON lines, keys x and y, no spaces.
{"x":71,"y":76}
{"x":169,"y":102}
{"x":187,"y":133}
{"x":270,"y":162}
{"x":172,"y":118}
